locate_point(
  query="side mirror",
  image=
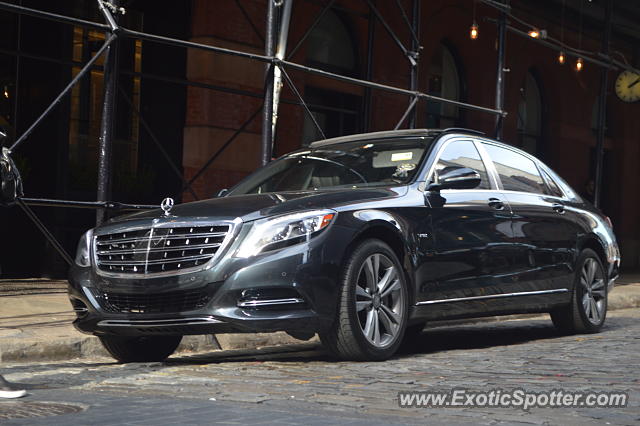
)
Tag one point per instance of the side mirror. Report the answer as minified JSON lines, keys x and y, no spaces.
{"x":456,"y":178}
{"x":222,"y":192}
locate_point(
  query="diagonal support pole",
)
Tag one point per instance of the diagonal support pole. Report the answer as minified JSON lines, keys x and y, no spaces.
{"x":405,"y":18}
{"x":64,"y":92}
{"x":48,"y":235}
{"x":155,"y":140}
{"x":393,"y":35}
{"x":223,"y":147}
{"x":302,"y":101}
{"x":412,"y":105}
{"x":249,"y":20}
{"x":311,"y":28}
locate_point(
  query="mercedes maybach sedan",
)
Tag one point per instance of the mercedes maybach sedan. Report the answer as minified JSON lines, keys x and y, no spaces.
{"x":360,"y":239}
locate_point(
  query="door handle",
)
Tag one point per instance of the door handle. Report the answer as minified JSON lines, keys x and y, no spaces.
{"x":558,"y":208}
{"x":496,"y":203}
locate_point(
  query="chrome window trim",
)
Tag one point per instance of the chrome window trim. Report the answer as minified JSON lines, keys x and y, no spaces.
{"x":234,"y":227}
{"x":522,"y":153}
{"x":493,"y":296}
{"x":546,"y":174}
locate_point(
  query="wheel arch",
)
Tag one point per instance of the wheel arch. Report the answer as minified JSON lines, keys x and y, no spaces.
{"x":593,"y":242}
{"x":390,"y":234}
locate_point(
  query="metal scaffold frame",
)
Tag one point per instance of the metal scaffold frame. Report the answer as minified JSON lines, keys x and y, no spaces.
{"x":277,"y":67}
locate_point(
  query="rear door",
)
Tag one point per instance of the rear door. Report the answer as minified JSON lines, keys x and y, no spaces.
{"x":542,"y":234}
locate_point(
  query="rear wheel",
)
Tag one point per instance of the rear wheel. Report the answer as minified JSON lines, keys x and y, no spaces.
{"x":140,"y":349}
{"x":588,"y":308}
{"x":372,"y":306}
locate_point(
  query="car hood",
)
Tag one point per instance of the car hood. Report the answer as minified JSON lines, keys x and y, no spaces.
{"x":257,"y":206}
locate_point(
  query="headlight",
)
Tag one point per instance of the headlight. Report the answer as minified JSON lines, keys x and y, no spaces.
{"x":83,"y":253}
{"x":273,"y":233}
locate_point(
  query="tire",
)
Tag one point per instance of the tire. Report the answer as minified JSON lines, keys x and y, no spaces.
{"x":140,"y":349}
{"x":373,"y":305}
{"x":588,"y":308}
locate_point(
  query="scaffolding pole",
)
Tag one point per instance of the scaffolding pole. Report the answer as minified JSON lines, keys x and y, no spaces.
{"x":267,"y":112}
{"x":602,"y":107}
{"x":415,"y":51}
{"x":105,"y":142}
{"x":500,"y":70}
{"x":281,"y":49}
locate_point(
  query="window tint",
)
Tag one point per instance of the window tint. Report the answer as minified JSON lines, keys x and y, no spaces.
{"x":517,"y":172}
{"x":553,"y":186}
{"x":463,"y":154}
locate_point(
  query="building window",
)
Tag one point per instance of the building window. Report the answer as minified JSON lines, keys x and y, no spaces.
{"x":529,"y":120}
{"x":331,"y":47}
{"x":86,"y":111}
{"x":337,"y":114}
{"x":443,"y":80}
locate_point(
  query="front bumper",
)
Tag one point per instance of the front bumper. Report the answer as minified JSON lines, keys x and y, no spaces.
{"x":293,"y":289}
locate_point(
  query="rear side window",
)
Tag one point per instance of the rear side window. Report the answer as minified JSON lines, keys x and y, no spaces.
{"x":463,"y":154}
{"x":517,"y":172}
{"x":553,"y":186}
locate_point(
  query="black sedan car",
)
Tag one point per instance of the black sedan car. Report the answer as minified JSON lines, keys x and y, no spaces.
{"x":360,"y":239}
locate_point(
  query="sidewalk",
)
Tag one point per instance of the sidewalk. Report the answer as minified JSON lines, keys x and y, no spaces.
{"x":36,"y":316}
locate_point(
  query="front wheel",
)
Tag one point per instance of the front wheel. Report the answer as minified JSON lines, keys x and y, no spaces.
{"x":372,"y":307}
{"x":588,"y":308}
{"x":140,"y":349}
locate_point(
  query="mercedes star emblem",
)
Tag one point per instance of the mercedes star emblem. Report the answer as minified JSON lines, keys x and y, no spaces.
{"x":167,"y":205}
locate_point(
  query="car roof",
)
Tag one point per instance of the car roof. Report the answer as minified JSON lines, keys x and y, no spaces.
{"x":392,"y":134}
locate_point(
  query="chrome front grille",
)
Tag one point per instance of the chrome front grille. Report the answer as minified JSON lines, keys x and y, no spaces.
{"x":159,"y":250}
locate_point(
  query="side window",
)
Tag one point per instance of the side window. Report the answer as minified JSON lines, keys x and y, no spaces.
{"x":553,"y":186}
{"x":517,"y":172}
{"x":463,"y":154}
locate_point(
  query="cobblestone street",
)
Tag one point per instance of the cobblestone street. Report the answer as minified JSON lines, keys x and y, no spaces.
{"x":300,"y":385}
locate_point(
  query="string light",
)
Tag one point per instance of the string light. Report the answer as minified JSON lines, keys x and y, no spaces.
{"x":579,"y":64}
{"x":561,"y":58}
{"x":6,"y":92}
{"x":536,"y":33}
{"x":473,"y":33}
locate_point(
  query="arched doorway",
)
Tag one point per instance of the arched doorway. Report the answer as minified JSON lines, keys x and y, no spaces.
{"x":529,"y":120}
{"x":443,"y":80}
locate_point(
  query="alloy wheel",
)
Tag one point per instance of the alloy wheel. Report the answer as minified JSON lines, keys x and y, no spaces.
{"x":594,"y":291}
{"x":379,"y":300}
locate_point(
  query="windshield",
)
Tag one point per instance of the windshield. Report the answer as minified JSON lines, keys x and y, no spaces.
{"x":351,"y":165}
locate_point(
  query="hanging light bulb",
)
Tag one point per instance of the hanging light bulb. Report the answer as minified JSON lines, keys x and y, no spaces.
{"x":561,"y":58}
{"x":473,"y":33}
{"x":536,"y":33}
{"x":579,"y":64}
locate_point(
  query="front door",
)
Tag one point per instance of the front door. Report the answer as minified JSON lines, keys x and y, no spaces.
{"x":472,"y":237}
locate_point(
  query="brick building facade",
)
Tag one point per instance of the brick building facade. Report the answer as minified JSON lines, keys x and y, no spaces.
{"x":551,"y":107}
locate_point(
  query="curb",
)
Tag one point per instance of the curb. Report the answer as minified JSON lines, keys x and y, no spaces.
{"x":85,"y":346}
